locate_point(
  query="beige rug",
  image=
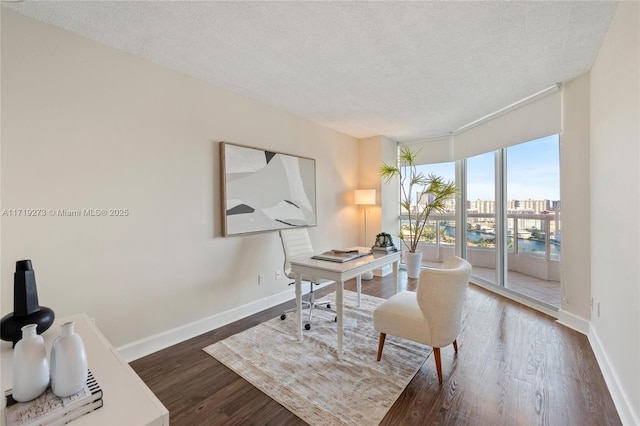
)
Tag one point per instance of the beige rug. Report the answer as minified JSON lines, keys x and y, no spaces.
{"x":306,"y":376}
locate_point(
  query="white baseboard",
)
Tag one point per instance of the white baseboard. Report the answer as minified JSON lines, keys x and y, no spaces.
{"x":619,"y":396}
{"x":573,"y":321}
{"x":149,"y":345}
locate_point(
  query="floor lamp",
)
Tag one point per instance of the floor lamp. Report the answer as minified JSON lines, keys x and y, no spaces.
{"x":365,"y":197}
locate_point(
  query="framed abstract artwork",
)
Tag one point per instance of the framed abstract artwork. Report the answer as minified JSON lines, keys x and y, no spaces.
{"x":265,"y":190}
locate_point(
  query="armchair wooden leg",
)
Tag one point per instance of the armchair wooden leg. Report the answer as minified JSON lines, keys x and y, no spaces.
{"x":436,"y":352}
{"x":381,"y":345}
{"x":455,"y":345}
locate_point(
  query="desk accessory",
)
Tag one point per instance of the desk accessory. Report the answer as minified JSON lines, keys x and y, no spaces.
{"x":68,"y":362}
{"x":340,"y":256}
{"x":50,"y":409}
{"x":384,"y":243}
{"x":30,"y":366}
{"x":26,"y":309}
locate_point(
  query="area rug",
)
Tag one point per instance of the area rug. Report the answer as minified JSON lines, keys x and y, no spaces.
{"x":307,"y":378}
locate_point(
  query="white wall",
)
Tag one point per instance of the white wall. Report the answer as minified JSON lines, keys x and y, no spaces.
{"x":390,"y":193}
{"x":86,"y":126}
{"x":615,"y":199}
{"x":575,"y":272}
{"x":369,"y":162}
{"x":383,"y":217}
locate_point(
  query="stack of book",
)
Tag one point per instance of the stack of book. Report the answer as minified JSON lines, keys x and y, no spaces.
{"x":340,"y":256}
{"x":387,"y":249}
{"x":49,"y":409}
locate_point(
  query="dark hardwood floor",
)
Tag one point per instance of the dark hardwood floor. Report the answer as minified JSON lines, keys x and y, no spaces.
{"x":515,"y":366}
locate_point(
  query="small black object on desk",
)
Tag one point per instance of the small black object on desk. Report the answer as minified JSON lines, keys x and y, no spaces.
{"x":26,"y":309}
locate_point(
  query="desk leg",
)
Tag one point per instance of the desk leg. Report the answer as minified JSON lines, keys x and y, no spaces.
{"x":359,"y":287}
{"x":298,"y":322}
{"x":395,"y":276}
{"x":339,"y":306}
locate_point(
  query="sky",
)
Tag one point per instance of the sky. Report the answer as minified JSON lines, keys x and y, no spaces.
{"x":533,"y":172}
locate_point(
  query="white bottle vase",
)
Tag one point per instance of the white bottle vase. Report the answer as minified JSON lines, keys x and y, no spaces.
{"x":68,"y":362}
{"x":30,"y":365}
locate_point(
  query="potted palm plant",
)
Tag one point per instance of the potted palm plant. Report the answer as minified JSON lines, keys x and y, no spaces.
{"x":420,"y":196}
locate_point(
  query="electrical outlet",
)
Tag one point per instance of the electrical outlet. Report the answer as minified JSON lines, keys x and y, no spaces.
{"x":598,"y":309}
{"x":277,"y":274}
{"x":260,"y":279}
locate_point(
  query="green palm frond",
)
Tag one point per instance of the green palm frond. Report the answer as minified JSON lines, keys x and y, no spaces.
{"x":432,"y":188}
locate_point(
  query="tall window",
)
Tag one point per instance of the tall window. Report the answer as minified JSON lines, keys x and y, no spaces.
{"x":533,"y":217}
{"x":512,"y":241}
{"x":439,"y":236}
{"x":481,"y":215}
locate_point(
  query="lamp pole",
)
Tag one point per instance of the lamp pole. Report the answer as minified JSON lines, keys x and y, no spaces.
{"x":365,"y":225}
{"x":365,"y":197}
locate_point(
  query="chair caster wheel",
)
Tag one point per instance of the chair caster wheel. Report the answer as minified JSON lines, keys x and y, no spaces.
{"x":307,"y":326}
{"x":283,"y":317}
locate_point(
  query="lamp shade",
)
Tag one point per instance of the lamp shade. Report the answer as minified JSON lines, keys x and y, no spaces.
{"x":365,"y":197}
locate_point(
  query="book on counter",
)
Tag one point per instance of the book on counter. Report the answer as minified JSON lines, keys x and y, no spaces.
{"x":49,"y":409}
{"x":388,"y":249}
{"x":78,"y":412}
{"x":340,"y":256}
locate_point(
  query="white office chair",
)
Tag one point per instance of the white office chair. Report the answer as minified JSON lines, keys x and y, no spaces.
{"x":296,"y":242}
{"x":432,"y":315}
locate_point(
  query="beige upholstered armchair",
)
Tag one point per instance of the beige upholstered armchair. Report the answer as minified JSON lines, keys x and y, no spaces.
{"x":433,"y":314}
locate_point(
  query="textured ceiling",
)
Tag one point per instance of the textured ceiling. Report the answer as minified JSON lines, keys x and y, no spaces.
{"x":406,"y":70}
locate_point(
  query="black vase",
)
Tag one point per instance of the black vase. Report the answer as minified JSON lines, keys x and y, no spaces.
{"x":26,"y":309}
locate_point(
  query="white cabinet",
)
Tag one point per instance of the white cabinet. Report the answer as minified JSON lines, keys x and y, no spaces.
{"x":127,"y":400}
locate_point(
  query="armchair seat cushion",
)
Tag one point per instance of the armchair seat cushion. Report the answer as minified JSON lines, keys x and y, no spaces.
{"x":401,"y":316}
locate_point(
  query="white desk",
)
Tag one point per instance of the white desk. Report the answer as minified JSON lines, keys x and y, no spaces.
{"x":127,"y":400}
{"x":339,"y":272}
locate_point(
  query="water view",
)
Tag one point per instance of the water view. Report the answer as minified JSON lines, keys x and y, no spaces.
{"x":532,"y":246}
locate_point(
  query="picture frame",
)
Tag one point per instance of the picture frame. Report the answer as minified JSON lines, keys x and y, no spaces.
{"x":264,"y":190}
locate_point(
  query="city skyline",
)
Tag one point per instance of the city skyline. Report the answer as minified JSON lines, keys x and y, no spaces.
{"x":533,"y":172}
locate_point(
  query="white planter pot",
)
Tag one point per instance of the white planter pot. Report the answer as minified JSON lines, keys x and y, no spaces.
{"x":413,"y":262}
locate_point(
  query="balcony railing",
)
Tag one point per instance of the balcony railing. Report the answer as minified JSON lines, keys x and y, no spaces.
{"x":533,"y":242}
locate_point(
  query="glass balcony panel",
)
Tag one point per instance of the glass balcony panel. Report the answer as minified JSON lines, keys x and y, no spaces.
{"x":481,"y":218}
{"x":533,"y":217}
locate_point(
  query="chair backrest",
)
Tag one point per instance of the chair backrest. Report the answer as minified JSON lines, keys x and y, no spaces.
{"x":295,"y":242}
{"x":441,"y":294}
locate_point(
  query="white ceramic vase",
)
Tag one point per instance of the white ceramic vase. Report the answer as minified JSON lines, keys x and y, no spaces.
{"x":30,"y":365}
{"x":413,"y":262}
{"x":68,"y":362}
